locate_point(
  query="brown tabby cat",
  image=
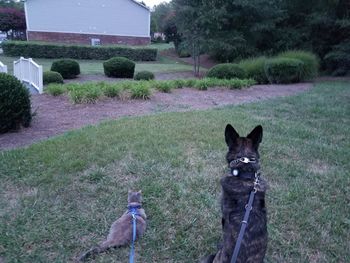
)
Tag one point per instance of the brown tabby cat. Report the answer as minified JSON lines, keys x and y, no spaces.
{"x":120,"y":233}
{"x":236,"y":188}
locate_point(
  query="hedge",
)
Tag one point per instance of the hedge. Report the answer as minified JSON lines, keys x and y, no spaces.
{"x":68,"y":68}
{"x":284,"y":70}
{"x":119,"y":67}
{"x":226,"y":71}
{"x":52,"y":77}
{"x":310,"y":60}
{"x":255,"y":69}
{"x":144,"y":75}
{"x":48,"y":50}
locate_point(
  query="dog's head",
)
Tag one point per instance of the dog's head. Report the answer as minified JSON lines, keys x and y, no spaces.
{"x":240,"y":148}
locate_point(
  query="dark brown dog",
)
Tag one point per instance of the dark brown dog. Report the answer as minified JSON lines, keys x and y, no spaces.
{"x":236,"y":188}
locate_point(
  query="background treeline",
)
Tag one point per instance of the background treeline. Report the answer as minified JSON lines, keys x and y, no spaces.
{"x":230,"y":30}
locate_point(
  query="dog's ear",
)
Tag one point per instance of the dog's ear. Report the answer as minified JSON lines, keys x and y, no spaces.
{"x":256,"y":136}
{"x":231,"y":136}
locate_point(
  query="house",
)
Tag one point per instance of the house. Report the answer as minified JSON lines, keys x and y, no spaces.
{"x":92,"y":22}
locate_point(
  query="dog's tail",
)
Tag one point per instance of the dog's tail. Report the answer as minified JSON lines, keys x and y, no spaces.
{"x":92,"y":252}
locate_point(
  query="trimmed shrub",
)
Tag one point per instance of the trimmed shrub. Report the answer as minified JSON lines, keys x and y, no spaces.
{"x":119,"y":67}
{"x":255,"y":69}
{"x":310,"y":63}
{"x":283,"y":70}
{"x":50,"y":50}
{"x":15,"y":108}
{"x":226,"y":71}
{"x":68,"y":68}
{"x":52,"y":77}
{"x":144,"y":75}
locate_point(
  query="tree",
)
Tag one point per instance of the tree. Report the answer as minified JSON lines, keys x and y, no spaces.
{"x":12,"y":4}
{"x":12,"y":20}
{"x":189,"y":21}
{"x":160,"y":15}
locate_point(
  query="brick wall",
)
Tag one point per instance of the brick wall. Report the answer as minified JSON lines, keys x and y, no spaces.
{"x":73,"y":38}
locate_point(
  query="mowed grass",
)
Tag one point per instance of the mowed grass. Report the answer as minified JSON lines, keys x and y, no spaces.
{"x":59,"y":197}
{"x":162,"y":65}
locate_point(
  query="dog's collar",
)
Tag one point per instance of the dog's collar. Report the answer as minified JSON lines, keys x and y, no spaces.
{"x":242,"y":160}
{"x":237,"y":172}
{"x":134,"y":207}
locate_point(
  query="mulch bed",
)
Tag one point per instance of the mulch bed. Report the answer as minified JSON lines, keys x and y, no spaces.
{"x":56,"y":115}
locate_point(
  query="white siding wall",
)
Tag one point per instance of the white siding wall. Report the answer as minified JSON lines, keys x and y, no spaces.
{"x":105,"y":17}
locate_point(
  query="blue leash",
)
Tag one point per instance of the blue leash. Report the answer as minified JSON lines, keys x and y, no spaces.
{"x":133,"y":211}
{"x":248,"y":208}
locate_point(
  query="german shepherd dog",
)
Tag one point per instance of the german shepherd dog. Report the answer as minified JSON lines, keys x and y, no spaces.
{"x":243,"y":159}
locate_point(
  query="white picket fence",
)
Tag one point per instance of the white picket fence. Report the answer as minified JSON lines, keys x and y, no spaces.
{"x":3,"y":68}
{"x":28,"y":71}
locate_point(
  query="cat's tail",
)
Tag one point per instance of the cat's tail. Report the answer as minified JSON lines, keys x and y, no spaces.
{"x":92,"y":252}
{"x":207,"y":259}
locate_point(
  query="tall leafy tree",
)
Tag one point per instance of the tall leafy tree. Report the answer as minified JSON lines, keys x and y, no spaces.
{"x":247,"y":28}
{"x":163,"y":16}
{"x":12,"y":20}
{"x":190,"y":20}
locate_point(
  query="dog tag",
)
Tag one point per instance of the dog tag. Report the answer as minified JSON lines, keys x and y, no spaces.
{"x":235,"y":172}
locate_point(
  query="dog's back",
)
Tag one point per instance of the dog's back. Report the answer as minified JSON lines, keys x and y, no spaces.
{"x":235,"y":195}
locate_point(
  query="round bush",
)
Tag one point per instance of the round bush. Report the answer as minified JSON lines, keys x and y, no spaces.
{"x":14,"y":104}
{"x":52,"y":77}
{"x":226,"y":71}
{"x":144,"y":75}
{"x":255,"y":69}
{"x":68,"y":68}
{"x":310,"y":60}
{"x":283,"y":70}
{"x":119,"y":67}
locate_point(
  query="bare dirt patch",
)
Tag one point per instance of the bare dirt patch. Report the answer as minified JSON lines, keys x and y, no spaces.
{"x":56,"y":115}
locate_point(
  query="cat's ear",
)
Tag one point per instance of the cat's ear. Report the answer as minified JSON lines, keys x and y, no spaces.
{"x":256,"y":136}
{"x":231,"y":136}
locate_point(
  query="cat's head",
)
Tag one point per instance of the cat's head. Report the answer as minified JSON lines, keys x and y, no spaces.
{"x":134,"y":197}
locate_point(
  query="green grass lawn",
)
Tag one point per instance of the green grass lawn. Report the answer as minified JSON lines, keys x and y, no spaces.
{"x":162,"y":65}
{"x":59,"y":197}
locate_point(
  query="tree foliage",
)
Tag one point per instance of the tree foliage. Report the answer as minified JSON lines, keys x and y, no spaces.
{"x":12,"y":4}
{"x":230,"y":30}
{"x":163,"y":16}
{"x":12,"y":19}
